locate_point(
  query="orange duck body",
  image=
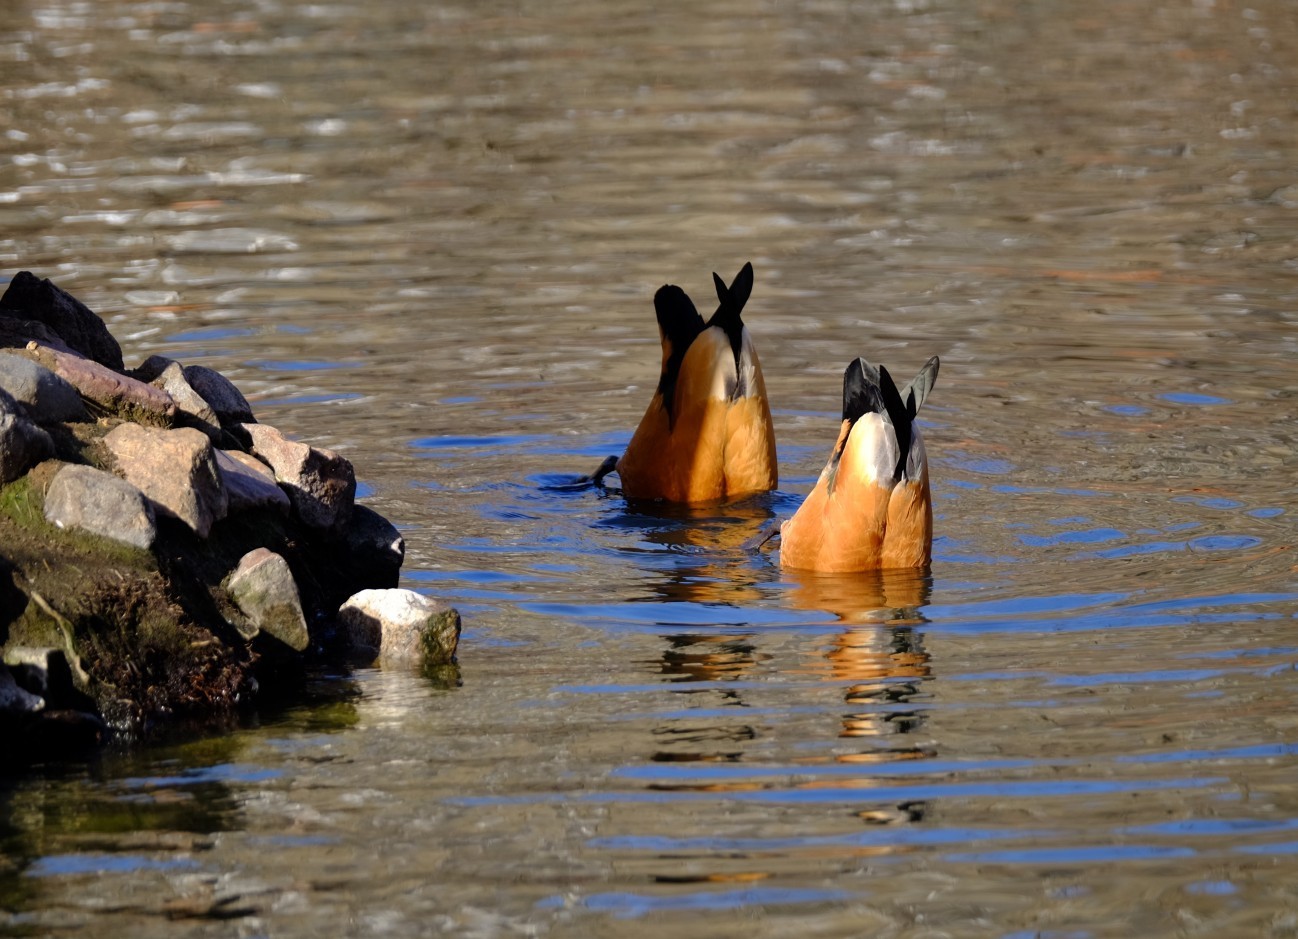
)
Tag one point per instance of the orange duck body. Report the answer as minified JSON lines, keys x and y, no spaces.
{"x":707,"y":434}
{"x":871,"y":507}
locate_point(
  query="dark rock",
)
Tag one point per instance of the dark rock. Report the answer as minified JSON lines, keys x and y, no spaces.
{"x":264,"y":590}
{"x":175,"y":469}
{"x":152,"y":367}
{"x":74,"y":322}
{"x":48,"y":398}
{"x":320,"y":483}
{"x":47,"y":673}
{"x":376,"y":547}
{"x":219,"y":392}
{"x":13,"y":699}
{"x":16,"y":333}
{"x":99,"y":502}
{"x":22,"y":443}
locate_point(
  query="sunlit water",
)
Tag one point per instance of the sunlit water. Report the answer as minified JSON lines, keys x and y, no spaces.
{"x":428,"y":236}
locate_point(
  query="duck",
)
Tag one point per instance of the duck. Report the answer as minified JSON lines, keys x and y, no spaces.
{"x":871,"y":507}
{"x":707,"y":434}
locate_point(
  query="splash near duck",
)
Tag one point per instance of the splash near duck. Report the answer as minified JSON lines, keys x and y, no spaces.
{"x":871,"y":507}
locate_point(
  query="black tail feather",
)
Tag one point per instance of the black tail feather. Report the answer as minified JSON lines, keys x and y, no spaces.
{"x":734,"y":297}
{"x":898,"y":417}
{"x":871,"y":390}
{"x":861,"y":393}
{"x":680,"y":323}
{"x":731,"y":305}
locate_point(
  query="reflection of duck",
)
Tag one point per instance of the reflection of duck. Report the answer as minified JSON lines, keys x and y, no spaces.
{"x":880,"y":653}
{"x":878,"y":596}
{"x":707,"y":435}
{"x":871,"y":507}
{"x":887,"y":666}
{"x":709,"y":658}
{"x":710,"y":738}
{"x":711,"y":564}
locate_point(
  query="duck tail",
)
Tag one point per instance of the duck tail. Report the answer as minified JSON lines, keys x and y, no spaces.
{"x":731,"y":305}
{"x":679,"y":324}
{"x":869,"y":389}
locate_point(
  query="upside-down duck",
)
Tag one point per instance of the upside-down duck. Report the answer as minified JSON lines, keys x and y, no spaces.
{"x":707,"y":434}
{"x":871,"y":507}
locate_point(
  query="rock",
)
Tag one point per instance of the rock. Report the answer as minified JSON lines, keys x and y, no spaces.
{"x":250,"y":484}
{"x":22,"y":443}
{"x":401,"y":626}
{"x":191,"y":409}
{"x":320,"y":483}
{"x":175,"y":469}
{"x":219,"y":392}
{"x":376,"y":547}
{"x":152,"y":367}
{"x":264,"y":590}
{"x":100,"y":503}
{"x":48,"y":398}
{"x":114,"y":393}
{"x":16,"y":333}
{"x":70,"y":319}
{"x":13,"y":699}
{"x":47,"y":674}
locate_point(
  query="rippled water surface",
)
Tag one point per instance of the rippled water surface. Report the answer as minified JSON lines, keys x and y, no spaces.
{"x":428,"y":235}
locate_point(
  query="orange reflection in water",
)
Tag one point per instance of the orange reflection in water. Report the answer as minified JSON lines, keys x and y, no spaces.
{"x":880,"y":596}
{"x":720,"y":568}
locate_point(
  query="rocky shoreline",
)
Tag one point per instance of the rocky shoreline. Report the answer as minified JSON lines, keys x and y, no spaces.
{"x":165,"y":559}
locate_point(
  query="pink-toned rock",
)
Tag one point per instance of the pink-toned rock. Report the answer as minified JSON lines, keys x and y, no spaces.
{"x":263,"y":588}
{"x":175,"y":469}
{"x":111,"y":391}
{"x":249,"y":483}
{"x":320,"y":483}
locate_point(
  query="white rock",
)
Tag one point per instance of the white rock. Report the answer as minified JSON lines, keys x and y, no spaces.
{"x":401,"y":626}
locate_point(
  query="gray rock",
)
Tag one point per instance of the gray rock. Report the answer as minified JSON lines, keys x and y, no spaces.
{"x":72,"y":320}
{"x":401,"y":626}
{"x":250,"y":484}
{"x":22,"y":443}
{"x":230,"y":406}
{"x":13,"y":700}
{"x":48,"y":398}
{"x":320,"y":483}
{"x":99,"y":502}
{"x":191,"y":409}
{"x":264,"y":590}
{"x":175,"y":469}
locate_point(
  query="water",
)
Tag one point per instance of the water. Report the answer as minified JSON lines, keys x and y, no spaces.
{"x":428,"y":235}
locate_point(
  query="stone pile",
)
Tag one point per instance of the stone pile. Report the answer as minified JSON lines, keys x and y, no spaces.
{"x":163,"y":555}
